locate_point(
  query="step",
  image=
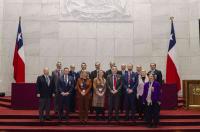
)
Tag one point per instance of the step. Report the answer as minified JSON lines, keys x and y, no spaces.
{"x":92,"y":116}
{"x":100,"y":128}
{"x":5,"y":99}
{"x":5,"y":104}
{"x":73,"y":122}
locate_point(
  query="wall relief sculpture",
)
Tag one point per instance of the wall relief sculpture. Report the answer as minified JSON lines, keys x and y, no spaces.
{"x":95,"y":10}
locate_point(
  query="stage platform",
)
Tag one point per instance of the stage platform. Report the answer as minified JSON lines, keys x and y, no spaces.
{"x":27,"y":120}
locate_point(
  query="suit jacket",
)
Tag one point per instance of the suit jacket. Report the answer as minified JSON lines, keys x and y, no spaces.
{"x":42,"y":88}
{"x":133,"y":81}
{"x":140,"y":87}
{"x":122,"y":73}
{"x":93,"y":75}
{"x":123,"y":78}
{"x":79,"y":73}
{"x":110,"y":82}
{"x":158,"y":75}
{"x":109,"y":72}
{"x":56,"y":79}
{"x":88,"y":86}
{"x":155,"y":95}
{"x":66,"y":86}
{"x":74,"y":76}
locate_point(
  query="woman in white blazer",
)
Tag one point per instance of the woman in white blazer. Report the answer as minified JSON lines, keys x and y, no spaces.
{"x":142,"y":79}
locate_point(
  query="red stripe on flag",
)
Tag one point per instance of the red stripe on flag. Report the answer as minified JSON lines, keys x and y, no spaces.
{"x":19,"y":67}
{"x":172,"y":76}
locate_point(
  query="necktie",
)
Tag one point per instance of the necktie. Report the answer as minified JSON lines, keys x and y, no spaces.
{"x":47,"y":80}
{"x":115,"y":82}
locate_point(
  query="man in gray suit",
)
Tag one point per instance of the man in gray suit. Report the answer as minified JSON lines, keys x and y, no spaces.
{"x":114,"y":84}
{"x":56,"y":74}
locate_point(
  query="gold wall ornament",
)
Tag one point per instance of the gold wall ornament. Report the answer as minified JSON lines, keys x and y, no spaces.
{"x":191,"y":93}
{"x":196,"y":91}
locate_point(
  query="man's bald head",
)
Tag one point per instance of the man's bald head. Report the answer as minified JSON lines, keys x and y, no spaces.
{"x":46,"y":71}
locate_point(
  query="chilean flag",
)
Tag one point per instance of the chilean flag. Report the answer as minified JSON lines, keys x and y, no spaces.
{"x":19,"y":59}
{"x":172,"y":71}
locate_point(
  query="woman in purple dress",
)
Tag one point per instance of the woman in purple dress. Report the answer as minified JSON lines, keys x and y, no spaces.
{"x":151,"y":100}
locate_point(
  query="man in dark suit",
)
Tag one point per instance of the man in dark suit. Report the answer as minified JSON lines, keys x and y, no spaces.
{"x":130,"y":85}
{"x":73,"y":74}
{"x":114,"y":84}
{"x":45,"y":90}
{"x":157,"y":73}
{"x":56,"y":74}
{"x":138,"y":69}
{"x":123,"y":70}
{"x":66,"y":85}
{"x":122,"y":95}
{"x":93,"y":74}
{"x":83,"y":68}
{"x":108,"y":72}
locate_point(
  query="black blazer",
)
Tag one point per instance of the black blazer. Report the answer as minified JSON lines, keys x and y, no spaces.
{"x":93,"y":75}
{"x":158,"y":76}
{"x":110,"y":82}
{"x":43,"y":89}
{"x":73,"y":75}
{"x":108,"y":72}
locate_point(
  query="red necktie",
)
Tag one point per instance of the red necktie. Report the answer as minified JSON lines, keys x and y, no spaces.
{"x":115,"y":83}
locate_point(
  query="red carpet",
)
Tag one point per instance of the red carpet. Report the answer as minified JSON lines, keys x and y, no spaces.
{"x":27,"y":120}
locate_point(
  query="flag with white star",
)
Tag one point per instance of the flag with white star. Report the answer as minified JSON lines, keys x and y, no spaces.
{"x":172,"y":70}
{"x":19,"y":58}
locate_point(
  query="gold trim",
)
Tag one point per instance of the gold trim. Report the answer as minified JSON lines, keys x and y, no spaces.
{"x":186,"y":84}
{"x":194,"y":105}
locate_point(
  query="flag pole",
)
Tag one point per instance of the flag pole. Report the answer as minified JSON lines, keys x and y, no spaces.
{"x":20,"y":19}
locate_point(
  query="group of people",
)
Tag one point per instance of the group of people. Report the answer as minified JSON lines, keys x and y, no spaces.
{"x":115,"y":90}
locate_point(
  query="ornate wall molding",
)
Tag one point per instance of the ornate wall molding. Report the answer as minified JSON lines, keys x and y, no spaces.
{"x":95,"y":10}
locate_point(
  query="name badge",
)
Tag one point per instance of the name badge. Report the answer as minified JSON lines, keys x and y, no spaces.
{"x":100,"y":90}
